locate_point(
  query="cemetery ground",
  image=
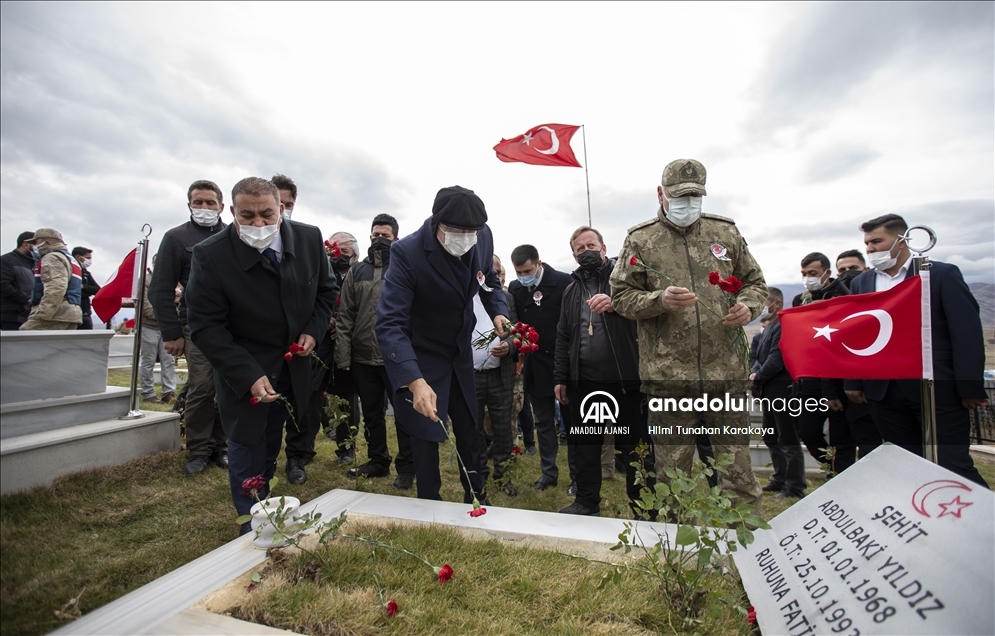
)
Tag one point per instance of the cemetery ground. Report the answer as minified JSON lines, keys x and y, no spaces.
{"x":98,"y":535}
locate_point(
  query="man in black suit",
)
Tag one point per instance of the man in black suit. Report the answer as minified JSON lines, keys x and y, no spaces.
{"x":425,"y":325}
{"x":958,"y":353}
{"x":255,"y":288}
{"x":538,"y":293}
{"x":771,"y":381}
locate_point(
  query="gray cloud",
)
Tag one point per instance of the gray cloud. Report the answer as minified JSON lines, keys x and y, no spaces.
{"x":96,"y":132}
{"x":835,"y":48}
{"x":840,"y":162}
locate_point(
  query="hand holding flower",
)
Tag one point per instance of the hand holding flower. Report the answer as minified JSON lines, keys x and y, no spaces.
{"x":263,"y":391}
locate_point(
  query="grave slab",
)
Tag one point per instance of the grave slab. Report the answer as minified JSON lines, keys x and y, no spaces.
{"x":38,"y":459}
{"x":152,"y":608}
{"x":892,"y":545}
{"x":36,"y":416}
{"x":37,"y":365}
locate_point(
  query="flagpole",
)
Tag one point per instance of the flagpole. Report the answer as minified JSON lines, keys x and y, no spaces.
{"x":134,"y":412}
{"x":587,"y":181}
{"x":927,"y":390}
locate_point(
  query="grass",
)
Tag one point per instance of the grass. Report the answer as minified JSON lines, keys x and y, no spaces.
{"x":112,"y":530}
{"x":497,"y":589}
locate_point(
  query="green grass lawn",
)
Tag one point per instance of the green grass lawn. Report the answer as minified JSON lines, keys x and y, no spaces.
{"x":105,"y":533}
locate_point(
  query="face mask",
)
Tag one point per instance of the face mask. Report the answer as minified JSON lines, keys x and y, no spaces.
{"x":848,"y":276}
{"x":812,"y":283}
{"x":258,"y":237}
{"x":34,"y":252}
{"x":764,"y":314}
{"x":287,"y":213}
{"x":527,"y":281}
{"x":86,"y":263}
{"x":204,"y":217}
{"x":882,"y":261}
{"x":683,"y":211}
{"x":459,"y":243}
{"x":341,"y":263}
{"x":590,"y":261}
{"x":381,"y":244}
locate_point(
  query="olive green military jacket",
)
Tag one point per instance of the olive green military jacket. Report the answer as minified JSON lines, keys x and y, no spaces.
{"x":690,"y":344}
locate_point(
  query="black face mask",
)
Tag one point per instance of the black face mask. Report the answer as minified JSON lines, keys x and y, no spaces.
{"x":380,"y":246}
{"x":590,"y":261}
{"x":848,"y":276}
{"x":341,"y":263}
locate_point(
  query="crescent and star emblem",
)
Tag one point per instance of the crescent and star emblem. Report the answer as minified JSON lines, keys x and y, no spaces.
{"x":552,"y":150}
{"x":952,"y":508}
{"x":885,"y":328}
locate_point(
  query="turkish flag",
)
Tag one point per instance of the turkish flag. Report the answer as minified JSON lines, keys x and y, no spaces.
{"x":545,"y":145}
{"x":120,"y":287}
{"x":877,"y":336}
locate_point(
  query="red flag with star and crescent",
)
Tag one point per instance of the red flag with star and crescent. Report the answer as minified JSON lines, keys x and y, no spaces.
{"x":876,"y":336}
{"x":545,"y":145}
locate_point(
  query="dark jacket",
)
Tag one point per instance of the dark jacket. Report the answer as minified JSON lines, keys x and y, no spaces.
{"x":958,"y":339}
{"x":425,"y":321}
{"x":244,"y":315}
{"x":772,"y":379}
{"x":836,"y":287}
{"x":621,"y":333}
{"x":355,"y":337}
{"x":753,"y":350}
{"x":17,"y":279}
{"x":544,"y":315}
{"x":172,"y":266}
{"x":89,"y":288}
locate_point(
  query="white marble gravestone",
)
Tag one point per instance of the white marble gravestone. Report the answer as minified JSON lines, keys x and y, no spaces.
{"x":892,"y":545}
{"x":57,"y":414}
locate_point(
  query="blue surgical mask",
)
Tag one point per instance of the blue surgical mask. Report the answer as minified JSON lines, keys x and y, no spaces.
{"x":527,"y":281}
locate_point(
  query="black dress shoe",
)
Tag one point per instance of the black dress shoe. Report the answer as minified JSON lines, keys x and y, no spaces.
{"x":577,"y":508}
{"x":369,"y":469}
{"x":543,"y":483}
{"x":195,"y":465}
{"x":347,"y":458}
{"x":509,"y":489}
{"x":572,"y":489}
{"x":789,"y":494}
{"x":773,"y":487}
{"x":295,"y":471}
{"x":530,"y":450}
{"x":404,"y":481}
{"x":220,"y":459}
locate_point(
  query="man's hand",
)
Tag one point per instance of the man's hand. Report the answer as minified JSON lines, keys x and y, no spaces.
{"x":499,"y":322}
{"x":263,"y":390}
{"x":331,"y":327}
{"x":501,"y":350}
{"x":601,"y":303}
{"x":423,"y":398}
{"x":308,"y":343}
{"x":973,"y":403}
{"x":560,"y":391}
{"x":677,"y":298}
{"x":753,"y":384}
{"x":738,"y":316}
{"x":835,"y":405}
{"x":857,"y":397}
{"x":174,"y":347}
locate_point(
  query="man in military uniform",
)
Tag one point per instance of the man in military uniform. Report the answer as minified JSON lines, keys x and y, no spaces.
{"x":689,"y":335}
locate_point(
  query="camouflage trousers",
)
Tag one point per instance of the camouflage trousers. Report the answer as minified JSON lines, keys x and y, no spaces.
{"x":677,"y":451}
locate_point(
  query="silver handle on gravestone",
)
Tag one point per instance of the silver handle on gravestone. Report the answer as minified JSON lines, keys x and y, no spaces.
{"x":920,"y":250}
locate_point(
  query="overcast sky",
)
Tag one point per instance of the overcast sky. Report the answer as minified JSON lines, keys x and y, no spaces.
{"x":810,"y":118}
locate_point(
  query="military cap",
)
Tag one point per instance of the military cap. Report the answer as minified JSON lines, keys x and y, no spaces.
{"x":684,"y":176}
{"x":47,"y":233}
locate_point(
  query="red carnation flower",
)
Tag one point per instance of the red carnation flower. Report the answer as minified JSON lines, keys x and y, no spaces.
{"x":295,"y":348}
{"x":253,"y":486}
{"x":478,"y":512}
{"x":253,"y":400}
{"x":519,"y":325}
{"x":517,"y":450}
{"x":714,"y":278}
{"x":288,"y":356}
{"x":392,"y":607}
{"x":751,"y":616}
{"x":445,"y":573}
{"x":338,"y":301}
{"x":734,"y":284}
{"x":517,"y":343}
{"x":633,"y":261}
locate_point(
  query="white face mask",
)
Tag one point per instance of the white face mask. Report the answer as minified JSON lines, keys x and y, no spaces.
{"x":204,"y":217}
{"x":763,"y":314}
{"x":883,"y":260}
{"x":287,"y":213}
{"x":87,"y":262}
{"x":459,"y":243}
{"x":812,"y":283}
{"x":683,"y":211}
{"x":258,"y":237}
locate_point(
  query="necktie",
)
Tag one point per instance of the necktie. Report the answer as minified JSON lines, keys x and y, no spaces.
{"x":270,"y":255}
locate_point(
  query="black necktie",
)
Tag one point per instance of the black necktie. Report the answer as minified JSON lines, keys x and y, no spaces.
{"x":271,"y":256}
